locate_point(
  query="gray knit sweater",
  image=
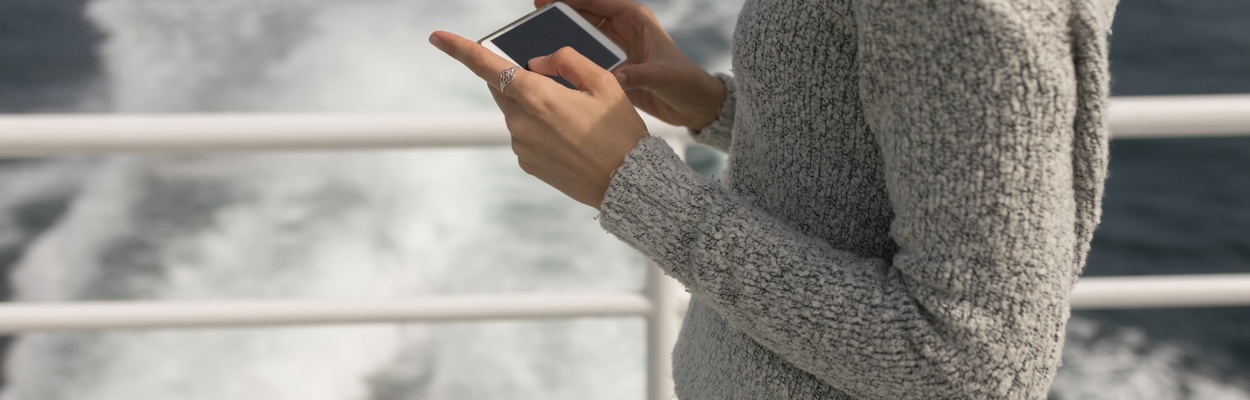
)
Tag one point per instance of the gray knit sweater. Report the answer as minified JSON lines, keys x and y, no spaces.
{"x":911,"y":192}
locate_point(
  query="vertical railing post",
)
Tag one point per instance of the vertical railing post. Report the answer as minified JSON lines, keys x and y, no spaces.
{"x":668,"y":299}
{"x":667,"y":296}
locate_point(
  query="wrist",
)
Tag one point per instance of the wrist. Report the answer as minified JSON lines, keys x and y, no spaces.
{"x":715,"y":93}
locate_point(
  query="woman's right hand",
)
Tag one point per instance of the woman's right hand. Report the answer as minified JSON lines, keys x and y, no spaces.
{"x":657,"y":76}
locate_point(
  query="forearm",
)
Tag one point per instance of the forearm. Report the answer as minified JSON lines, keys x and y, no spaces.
{"x":862,"y":324}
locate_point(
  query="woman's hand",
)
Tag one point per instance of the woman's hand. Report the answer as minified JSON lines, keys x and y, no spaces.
{"x":574,"y":140}
{"x":657,"y":76}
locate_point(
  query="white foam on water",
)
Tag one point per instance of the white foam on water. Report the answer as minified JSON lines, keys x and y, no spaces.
{"x":342,"y":226}
{"x":1119,"y":363}
{"x":32,"y":192}
{"x":291,"y":54}
{"x":130,"y":234}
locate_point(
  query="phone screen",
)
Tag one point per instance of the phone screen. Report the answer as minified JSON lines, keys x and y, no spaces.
{"x":547,"y":32}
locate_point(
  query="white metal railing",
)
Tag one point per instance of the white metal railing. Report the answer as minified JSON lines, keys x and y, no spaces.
{"x":42,"y":135}
{"x":94,"y":315}
{"x":1180,"y":116}
{"x":1160,"y":291}
{"x":663,"y":303}
{"x":1156,"y":291}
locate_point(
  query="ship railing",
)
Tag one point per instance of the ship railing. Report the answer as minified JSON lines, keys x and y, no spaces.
{"x":663,"y":302}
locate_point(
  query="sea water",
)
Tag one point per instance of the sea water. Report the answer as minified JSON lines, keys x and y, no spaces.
{"x":395,"y":224}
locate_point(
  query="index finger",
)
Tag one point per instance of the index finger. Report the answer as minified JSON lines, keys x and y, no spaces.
{"x":484,"y":63}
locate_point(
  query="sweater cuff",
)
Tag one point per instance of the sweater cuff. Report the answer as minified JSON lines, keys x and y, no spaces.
{"x":654,"y":203}
{"x":719,"y":133}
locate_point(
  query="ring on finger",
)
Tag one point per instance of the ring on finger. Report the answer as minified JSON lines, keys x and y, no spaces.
{"x":605,"y":19}
{"x":506,"y":76}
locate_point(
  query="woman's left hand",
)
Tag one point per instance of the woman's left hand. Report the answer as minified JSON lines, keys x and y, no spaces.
{"x":574,"y":140}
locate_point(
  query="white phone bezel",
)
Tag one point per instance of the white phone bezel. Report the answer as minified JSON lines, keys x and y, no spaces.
{"x":573,"y":15}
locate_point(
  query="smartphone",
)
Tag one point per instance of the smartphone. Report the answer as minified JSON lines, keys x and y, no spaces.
{"x":551,"y":28}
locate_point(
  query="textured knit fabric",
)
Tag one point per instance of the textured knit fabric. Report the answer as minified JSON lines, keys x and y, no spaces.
{"x":911,"y":192}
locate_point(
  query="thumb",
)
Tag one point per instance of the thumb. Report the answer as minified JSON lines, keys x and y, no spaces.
{"x":648,"y":75}
{"x":567,"y":63}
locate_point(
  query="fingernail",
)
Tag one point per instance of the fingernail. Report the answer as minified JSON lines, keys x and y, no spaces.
{"x":436,"y":41}
{"x":535,"y":59}
{"x":621,"y":77}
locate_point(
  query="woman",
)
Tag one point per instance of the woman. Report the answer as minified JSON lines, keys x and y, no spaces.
{"x":912,"y":186}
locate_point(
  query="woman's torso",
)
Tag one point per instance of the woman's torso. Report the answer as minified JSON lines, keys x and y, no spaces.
{"x":802,"y":152}
{"x":800,"y":123}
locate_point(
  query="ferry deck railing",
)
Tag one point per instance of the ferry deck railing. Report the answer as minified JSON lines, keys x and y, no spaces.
{"x":663,"y":302}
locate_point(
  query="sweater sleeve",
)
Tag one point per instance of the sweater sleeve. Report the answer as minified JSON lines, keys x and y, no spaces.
{"x":720,"y":132}
{"x":972,"y":106}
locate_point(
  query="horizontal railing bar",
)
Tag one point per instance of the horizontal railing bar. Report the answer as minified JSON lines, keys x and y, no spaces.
{"x":1160,"y":291}
{"x":54,"y":134}
{"x":70,"y":316}
{"x":39,"y":135}
{"x":1180,"y":116}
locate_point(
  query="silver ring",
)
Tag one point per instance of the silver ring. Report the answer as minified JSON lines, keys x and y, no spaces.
{"x":605,"y":19}
{"x":506,"y":76}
